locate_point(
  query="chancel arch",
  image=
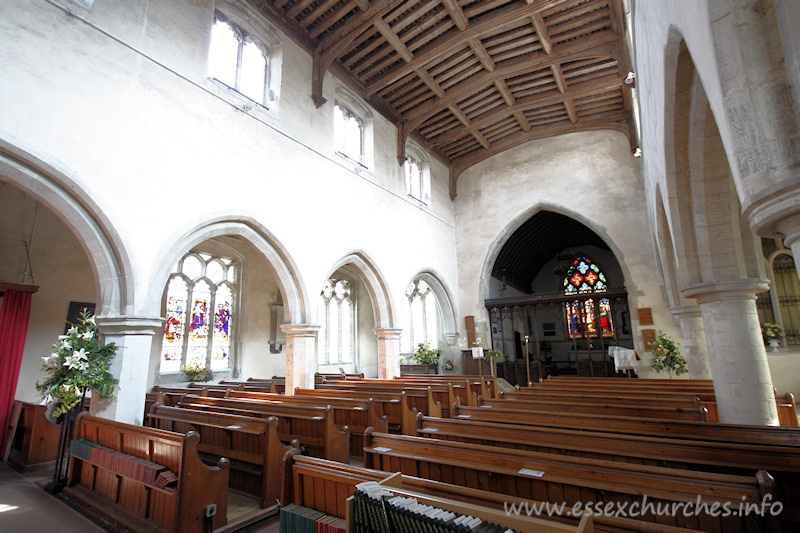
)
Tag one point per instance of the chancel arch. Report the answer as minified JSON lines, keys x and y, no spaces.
{"x":540,"y":309}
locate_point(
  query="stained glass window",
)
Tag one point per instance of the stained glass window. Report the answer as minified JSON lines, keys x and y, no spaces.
{"x":239,"y":61}
{"x":424,"y":314}
{"x":199,"y":313}
{"x":586,"y":317}
{"x":337,"y":317}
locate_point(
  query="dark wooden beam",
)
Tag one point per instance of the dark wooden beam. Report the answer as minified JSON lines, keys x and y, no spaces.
{"x":491,"y":23}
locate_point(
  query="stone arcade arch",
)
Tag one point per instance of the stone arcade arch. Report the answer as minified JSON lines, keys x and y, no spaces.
{"x":445,"y":299}
{"x":715,"y":249}
{"x":359,"y":263}
{"x":118,"y":310}
{"x":300,"y":333}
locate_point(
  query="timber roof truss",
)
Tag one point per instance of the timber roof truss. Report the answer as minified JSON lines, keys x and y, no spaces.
{"x":469,"y":79}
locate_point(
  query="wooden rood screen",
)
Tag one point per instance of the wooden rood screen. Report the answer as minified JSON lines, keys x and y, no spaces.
{"x":131,"y":504}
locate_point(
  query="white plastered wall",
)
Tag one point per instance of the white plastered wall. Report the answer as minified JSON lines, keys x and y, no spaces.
{"x":589,"y":176}
{"x":118,"y":96}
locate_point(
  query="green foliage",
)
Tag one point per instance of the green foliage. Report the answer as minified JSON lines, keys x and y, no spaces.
{"x":667,"y":356}
{"x":495,"y":355}
{"x":426,"y":354}
{"x":196,"y":371}
{"x":771,"y":331}
{"x":79,"y":363}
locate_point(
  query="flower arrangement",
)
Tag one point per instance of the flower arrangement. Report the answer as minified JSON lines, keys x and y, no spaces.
{"x":196,"y":371}
{"x":425,"y":354}
{"x":667,"y":356}
{"x":448,"y":366}
{"x":771,"y":332}
{"x":79,"y":363}
{"x":495,"y":355}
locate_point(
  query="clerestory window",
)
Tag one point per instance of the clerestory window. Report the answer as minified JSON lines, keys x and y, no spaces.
{"x":239,"y":60}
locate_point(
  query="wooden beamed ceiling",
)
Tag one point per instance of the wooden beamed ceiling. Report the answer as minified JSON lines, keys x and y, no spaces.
{"x":469,"y":79}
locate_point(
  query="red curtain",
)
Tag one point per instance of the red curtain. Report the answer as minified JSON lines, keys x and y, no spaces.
{"x":13,"y":330}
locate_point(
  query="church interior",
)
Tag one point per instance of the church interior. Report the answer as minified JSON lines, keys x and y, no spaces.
{"x":471,"y":252}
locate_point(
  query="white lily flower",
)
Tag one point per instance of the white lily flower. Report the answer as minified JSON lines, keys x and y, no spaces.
{"x":51,"y":361}
{"x":91,"y":321}
{"x":87,"y":335}
{"x":65,"y":345}
{"x":72,"y":331}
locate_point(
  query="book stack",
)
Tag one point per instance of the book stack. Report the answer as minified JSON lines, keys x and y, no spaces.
{"x":124,"y":464}
{"x":299,"y":519}
{"x":378,"y":510}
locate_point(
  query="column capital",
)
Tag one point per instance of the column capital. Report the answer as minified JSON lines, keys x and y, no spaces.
{"x":726,"y":289}
{"x":775,"y":210}
{"x":300,"y":330}
{"x":130,"y":325}
{"x":388,"y":333}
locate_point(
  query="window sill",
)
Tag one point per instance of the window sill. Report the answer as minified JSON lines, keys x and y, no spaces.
{"x":357,"y":166}
{"x":239,"y":100}
{"x":421,"y":203}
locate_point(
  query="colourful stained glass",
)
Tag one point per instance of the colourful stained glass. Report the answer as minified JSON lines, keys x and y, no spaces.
{"x":584,"y":276}
{"x":223,"y":303}
{"x":583,"y":319}
{"x":172,"y":345}
{"x":198,"y":323}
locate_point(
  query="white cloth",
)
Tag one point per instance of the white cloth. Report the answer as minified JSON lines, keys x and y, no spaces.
{"x":624,"y":358}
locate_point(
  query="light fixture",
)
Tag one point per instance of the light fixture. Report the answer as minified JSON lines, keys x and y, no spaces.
{"x":630,"y":79}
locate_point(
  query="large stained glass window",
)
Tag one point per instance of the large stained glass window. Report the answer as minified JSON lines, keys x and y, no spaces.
{"x":587,"y":317}
{"x":337,"y":316}
{"x":199,"y":312}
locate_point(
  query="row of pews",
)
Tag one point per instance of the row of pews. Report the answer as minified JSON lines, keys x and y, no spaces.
{"x":460,"y":441}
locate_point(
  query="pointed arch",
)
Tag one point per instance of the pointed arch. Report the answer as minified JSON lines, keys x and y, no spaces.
{"x":508,"y":230}
{"x":445,"y":299}
{"x":375,"y":283}
{"x":61,"y":190}
{"x":294,"y":296}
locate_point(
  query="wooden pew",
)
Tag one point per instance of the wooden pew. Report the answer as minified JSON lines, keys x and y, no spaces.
{"x":356,"y":414}
{"x":782,"y":462}
{"x":316,"y":480}
{"x":574,"y":479}
{"x":398,"y":408}
{"x":589,"y":409}
{"x":314,"y":427}
{"x":680,"y":429}
{"x":649,"y":395}
{"x":132,"y":505}
{"x":250,"y":443}
{"x":429,"y":395}
{"x":35,"y":440}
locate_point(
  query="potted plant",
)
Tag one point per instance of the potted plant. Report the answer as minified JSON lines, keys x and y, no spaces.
{"x":493,"y":356}
{"x":427,"y":357}
{"x":196,"y":371}
{"x":667,"y":356}
{"x":772,"y":334}
{"x":80,"y":363}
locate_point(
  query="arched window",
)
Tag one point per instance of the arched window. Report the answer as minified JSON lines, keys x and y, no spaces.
{"x":352,"y":130}
{"x":238,"y":60}
{"x":201,"y":297}
{"x":424,"y":314}
{"x":337,"y":317}
{"x":348,"y":130}
{"x":417,"y":173}
{"x":587,"y":317}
